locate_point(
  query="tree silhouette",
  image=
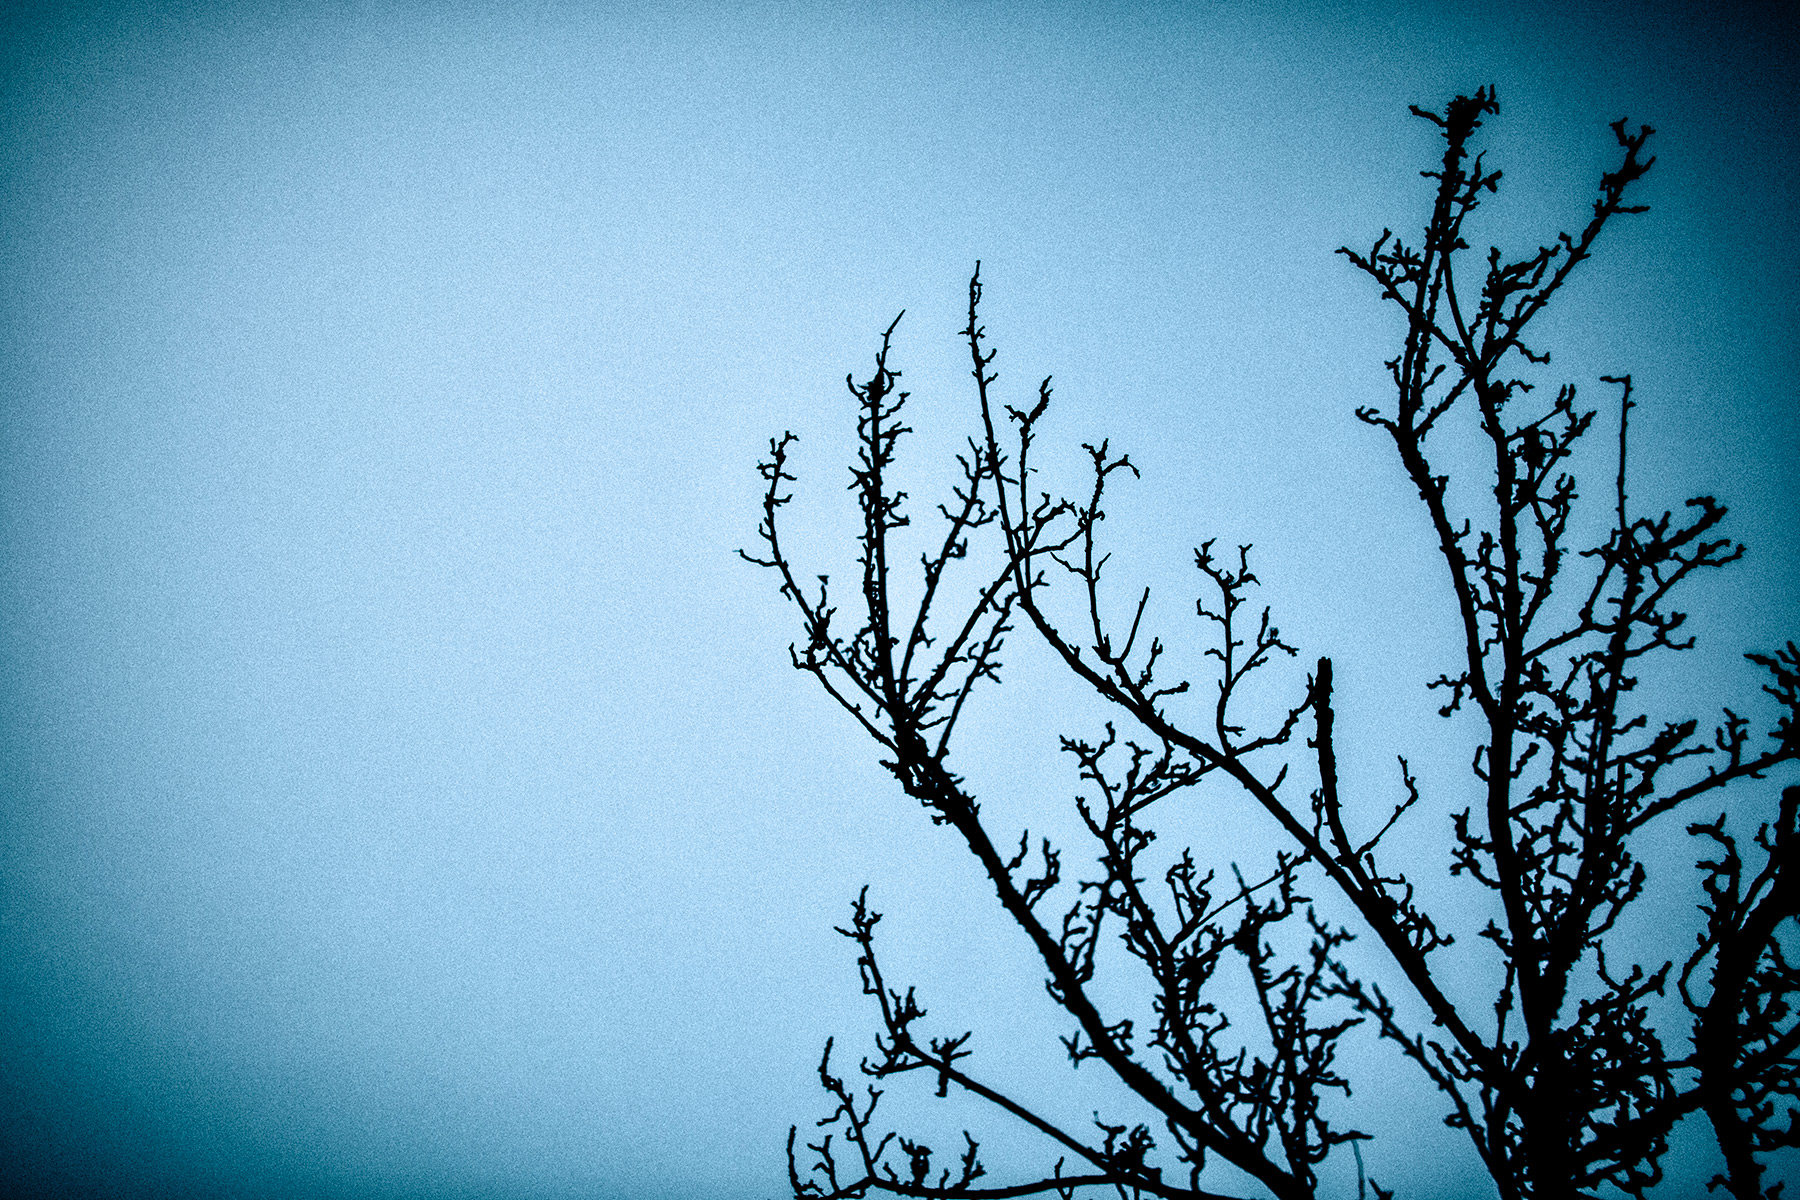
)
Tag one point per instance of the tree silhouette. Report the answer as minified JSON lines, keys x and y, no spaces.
{"x":1569,"y":1077}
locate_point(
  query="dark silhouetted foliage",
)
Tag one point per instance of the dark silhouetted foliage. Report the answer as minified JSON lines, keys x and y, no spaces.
{"x":1568,"y":1079}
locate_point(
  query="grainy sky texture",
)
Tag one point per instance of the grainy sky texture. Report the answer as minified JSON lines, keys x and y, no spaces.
{"x":403,"y":792}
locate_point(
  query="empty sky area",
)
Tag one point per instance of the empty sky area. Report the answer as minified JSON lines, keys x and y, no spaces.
{"x":404,"y":791}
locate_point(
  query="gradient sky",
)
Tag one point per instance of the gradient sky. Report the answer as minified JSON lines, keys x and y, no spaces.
{"x":403,"y":791}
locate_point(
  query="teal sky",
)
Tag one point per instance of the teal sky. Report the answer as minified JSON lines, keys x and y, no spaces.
{"x":403,"y":791}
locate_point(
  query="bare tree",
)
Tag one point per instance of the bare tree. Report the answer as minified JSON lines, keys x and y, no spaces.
{"x":1567,"y":1080}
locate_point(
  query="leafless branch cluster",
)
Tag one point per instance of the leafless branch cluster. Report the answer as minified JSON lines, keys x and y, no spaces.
{"x":1561,"y":1079}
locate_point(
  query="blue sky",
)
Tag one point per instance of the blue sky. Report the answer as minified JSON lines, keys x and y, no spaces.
{"x":404,"y":790}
